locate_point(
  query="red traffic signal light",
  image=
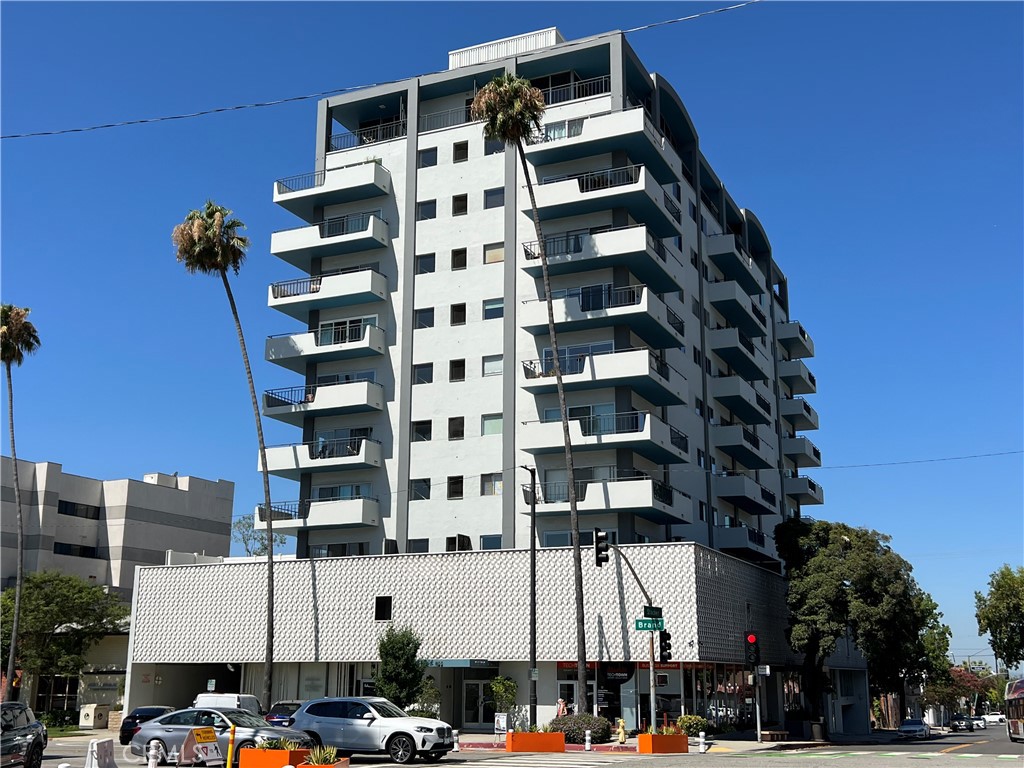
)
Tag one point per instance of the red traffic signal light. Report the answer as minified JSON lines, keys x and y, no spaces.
{"x":751,"y":637}
{"x":752,"y":654}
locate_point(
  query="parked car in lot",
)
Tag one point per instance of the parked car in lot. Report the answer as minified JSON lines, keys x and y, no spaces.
{"x":22,"y":737}
{"x":373,"y":725}
{"x":961,"y":722}
{"x":913,"y":729}
{"x":282,"y":712}
{"x":134,"y":720}
{"x":169,"y":731}
{"x":979,"y":723}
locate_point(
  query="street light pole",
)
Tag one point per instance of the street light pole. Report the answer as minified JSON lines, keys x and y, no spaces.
{"x":533,"y":594}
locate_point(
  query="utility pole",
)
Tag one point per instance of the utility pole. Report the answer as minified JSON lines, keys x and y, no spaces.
{"x":533,"y":594}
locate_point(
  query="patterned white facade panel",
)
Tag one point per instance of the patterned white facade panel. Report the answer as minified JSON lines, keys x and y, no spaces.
{"x":464,"y":605}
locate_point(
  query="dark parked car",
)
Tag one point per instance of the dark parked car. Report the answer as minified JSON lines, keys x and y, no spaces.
{"x":961,"y":722}
{"x":137,"y":717}
{"x":282,"y":711}
{"x":23,"y":736}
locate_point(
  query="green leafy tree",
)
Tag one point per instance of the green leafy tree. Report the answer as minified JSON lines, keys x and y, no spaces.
{"x":505,"y":690}
{"x":208,"y":242}
{"x":253,"y":542}
{"x":18,"y":337}
{"x":400,"y":673}
{"x":62,"y":617}
{"x":511,"y":109}
{"x":1001,"y":614}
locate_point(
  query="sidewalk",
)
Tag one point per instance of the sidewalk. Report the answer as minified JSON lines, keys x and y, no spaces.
{"x":490,"y":742}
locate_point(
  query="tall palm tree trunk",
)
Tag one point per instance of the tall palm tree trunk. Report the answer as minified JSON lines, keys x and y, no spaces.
{"x":268,"y":664}
{"x":20,"y":578}
{"x":574,"y":519}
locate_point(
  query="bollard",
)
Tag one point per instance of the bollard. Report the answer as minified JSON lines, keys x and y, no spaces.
{"x":154,"y":755}
{"x":455,"y":741}
{"x":703,"y":747}
{"x":587,"y":746}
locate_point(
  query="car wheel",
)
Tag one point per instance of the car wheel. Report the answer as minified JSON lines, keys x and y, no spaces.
{"x":432,"y":757}
{"x":316,"y":738}
{"x":34,"y":759}
{"x":161,"y":751}
{"x":401,"y":749}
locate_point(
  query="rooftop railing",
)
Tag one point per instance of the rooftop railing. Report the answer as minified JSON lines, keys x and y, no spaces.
{"x":581,"y":89}
{"x":395,"y":129}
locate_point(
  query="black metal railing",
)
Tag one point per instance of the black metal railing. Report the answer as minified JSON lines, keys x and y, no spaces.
{"x":337,"y":448}
{"x":348,"y":224}
{"x":343,"y":333}
{"x":300,"y":287}
{"x":571,"y":364}
{"x":763,"y":403}
{"x":301,"y":182}
{"x":285,"y":510}
{"x":598,"y":297}
{"x":662,"y":368}
{"x":758,"y":314}
{"x":556,"y":245}
{"x":275,"y":398}
{"x":560,"y":129}
{"x":662,"y":492}
{"x":678,"y":439}
{"x":608,"y":423}
{"x":657,"y":246}
{"x":745,"y":342}
{"x":395,"y":129}
{"x":446,"y":119}
{"x":673,"y":209}
{"x":750,"y":438}
{"x":768,"y":496}
{"x":581,"y":89}
{"x":756,"y":537}
{"x":814,"y":451}
{"x":675,"y":322}
{"x":710,"y":204}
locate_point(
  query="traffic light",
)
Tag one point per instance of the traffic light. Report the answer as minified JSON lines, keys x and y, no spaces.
{"x":600,"y":547}
{"x":664,"y":646}
{"x":753,"y":651}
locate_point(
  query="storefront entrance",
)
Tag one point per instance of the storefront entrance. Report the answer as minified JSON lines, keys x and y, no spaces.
{"x":477,"y":704}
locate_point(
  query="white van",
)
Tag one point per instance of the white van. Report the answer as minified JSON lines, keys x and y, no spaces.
{"x":229,"y":701}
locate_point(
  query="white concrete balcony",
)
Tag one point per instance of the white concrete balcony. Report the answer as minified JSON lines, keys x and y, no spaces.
{"x":331,"y":237}
{"x":602,"y":306}
{"x":641,"y":496}
{"x":292,"y":404}
{"x":304,"y":193}
{"x":801,"y":451}
{"x":730,"y":255}
{"x":748,"y":544}
{"x":736,"y":306}
{"x":742,"y":444}
{"x":739,"y":352}
{"x":630,"y":131}
{"x":804,"y":490}
{"x":799,"y":378}
{"x":640,"y":369}
{"x":630,"y":187}
{"x":742,"y":399}
{"x":292,"y":516}
{"x":746,"y":493}
{"x":290,"y":461}
{"x":799,"y":413}
{"x":642,"y":433}
{"x":294,"y":350}
{"x":296,"y":298}
{"x":794,"y":339}
{"x":634,"y":247}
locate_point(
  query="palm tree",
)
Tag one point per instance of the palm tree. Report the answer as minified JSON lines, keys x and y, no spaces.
{"x":511,"y":109}
{"x":208,"y":242}
{"x":18,"y":337}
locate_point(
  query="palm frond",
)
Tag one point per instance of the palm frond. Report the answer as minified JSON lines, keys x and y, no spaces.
{"x":207,"y":241}
{"x":18,"y":336}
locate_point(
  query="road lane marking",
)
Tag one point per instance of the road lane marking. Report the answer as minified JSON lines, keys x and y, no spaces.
{"x":961,"y":746}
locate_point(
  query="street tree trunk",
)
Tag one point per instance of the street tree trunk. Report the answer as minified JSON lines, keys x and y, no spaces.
{"x":19,"y":581}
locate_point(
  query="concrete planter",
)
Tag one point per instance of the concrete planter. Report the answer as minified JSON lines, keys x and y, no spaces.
{"x":661,"y":744}
{"x":526,"y":741}
{"x":271,"y":758}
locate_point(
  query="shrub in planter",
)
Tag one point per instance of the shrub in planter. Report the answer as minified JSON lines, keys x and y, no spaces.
{"x":575,"y":728}
{"x":692,"y":725}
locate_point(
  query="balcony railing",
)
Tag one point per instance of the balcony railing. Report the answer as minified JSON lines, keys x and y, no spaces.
{"x":756,"y":537}
{"x":709,"y":203}
{"x":395,"y":129}
{"x":673,"y":209}
{"x":608,"y":423}
{"x":348,"y":224}
{"x":285,"y":510}
{"x":558,"y":493}
{"x":275,"y":398}
{"x":446,"y":119}
{"x":763,"y":403}
{"x":353,"y":330}
{"x":604,"y":296}
{"x":767,"y":495}
{"x":679,"y":440}
{"x":337,"y":448}
{"x":593,"y":181}
{"x":572,"y":242}
{"x":303,"y":181}
{"x":676,"y":322}
{"x":581,"y":89}
{"x":570,"y":364}
{"x":756,"y":311}
{"x":750,"y":438}
{"x":305,"y":285}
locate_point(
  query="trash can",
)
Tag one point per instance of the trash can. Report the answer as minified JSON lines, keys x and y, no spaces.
{"x":818,"y":730}
{"x":93,"y":716}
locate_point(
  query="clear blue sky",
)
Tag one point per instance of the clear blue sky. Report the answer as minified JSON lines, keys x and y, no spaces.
{"x":880,"y":144}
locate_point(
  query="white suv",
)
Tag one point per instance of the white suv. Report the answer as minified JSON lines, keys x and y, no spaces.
{"x":373,"y":725}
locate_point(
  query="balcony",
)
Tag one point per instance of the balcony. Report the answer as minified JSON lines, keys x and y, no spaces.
{"x":737,"y":308}
{"x":742,"y":444}
{"x":640,"y":432}
{"x":292,"y":404}
{"x":294,"y":350}
{"x":728,"y":254}
{"x":292,"y":516}
{"x":602,"y":306}
{"x":797,"y":376}
{"x":798,"y":413}
{"x":304,"y":193}
{"x":742,"y":399}
{"x":343,"y":288}
{"x":578,"y":89}
{"x":630,"y":187}
{"x":804,"y":490}
{"x":637,"y":369}
{"x":634,"y":247}
{"x":746,"y":493}
{"x":389,"y":131}
{"x":801,"y":451}
{"x":629,"y":131}
{"x":747,"y":544}
{"x":795,"y":340}
{"x":331,"y":237}
{"x":291,"y":461}
{"x":739,"y":352}
{"x":642,"y":496}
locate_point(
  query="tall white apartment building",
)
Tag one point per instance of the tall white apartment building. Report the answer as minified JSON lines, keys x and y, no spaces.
{"x":418,"y":326}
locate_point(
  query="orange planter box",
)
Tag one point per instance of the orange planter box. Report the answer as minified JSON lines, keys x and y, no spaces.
{"x":270,"y":758}
{"x":527,"y":741}
{"x":659,"y":744}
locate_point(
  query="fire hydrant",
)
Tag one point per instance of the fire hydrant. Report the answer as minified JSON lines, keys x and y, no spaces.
{"x":621,"y":728}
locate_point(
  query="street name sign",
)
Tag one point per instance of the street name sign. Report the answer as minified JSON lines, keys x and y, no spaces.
{"x":652,"y":612}
{"x":648,"y":625}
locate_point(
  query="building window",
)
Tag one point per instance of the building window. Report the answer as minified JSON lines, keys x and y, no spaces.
{"x":493,"y":146}
{"x":494,"y":198}
{"x":703,"y":225}
{"x":699,"y":408}
{"x":426,"y":158}
{"x":493,"y":365}
{"x":54,"y":693}
{"x":457,"y":370}
{"x":343,"y":549}
{"x":693,"y":210}
{"x":677,"y":243}
{"x":458,"y":259}
{"x":677,"y":190}
{"x":458,"y":314}
{"x":425,"y":210}
{"x":695,"y":308}
{"x":424,"y":263}
{"x":693,"y":257}
{"x":460,"y":205}
{"x":455,"y":487}
{"x":700,"y":458}
{"x":71,"y":508}
{"x":419,"y":488}
{"x":382,"y":608}
{"x":456,"y":427}
{"x":423,"y":373}
{"x":460,"y":152}
{"x":491,"y":541}
{"x":423,"y":318}
{"x":491,"y":423}
{"x":418,"y":546}
{"x":74,"y":550}
{"x":421,"y":431}
{"x":702,"y":510}
{"x":490,"y":485}
{"x":494,"y":308}
{"x":696,"y":356}
{"x":494,"y":253}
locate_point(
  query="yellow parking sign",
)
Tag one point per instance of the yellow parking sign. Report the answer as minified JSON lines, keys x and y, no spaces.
{"x":201,"y":746}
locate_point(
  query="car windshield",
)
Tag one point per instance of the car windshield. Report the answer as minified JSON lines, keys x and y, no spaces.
{"x":386,"y":709}
{"x":244,"y":718}
{"x":148,"y":711}
{"x":913,"y":722}
{"x":284,"y":708}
